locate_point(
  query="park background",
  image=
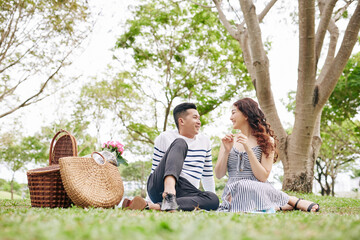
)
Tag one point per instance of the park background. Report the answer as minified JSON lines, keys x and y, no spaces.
{"x":91,"y":61}
{"x":25,"y":134}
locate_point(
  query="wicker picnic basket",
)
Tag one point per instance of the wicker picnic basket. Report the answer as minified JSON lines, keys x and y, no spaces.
{"x":89,"y":183}
{"x":45,"y":184}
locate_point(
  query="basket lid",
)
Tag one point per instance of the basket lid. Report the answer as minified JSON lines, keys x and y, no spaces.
{"x":43,"y":170}
{"x":65,"y":146}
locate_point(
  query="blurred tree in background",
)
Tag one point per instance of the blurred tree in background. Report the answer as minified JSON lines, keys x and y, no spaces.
{"x":338,"y":153}
{"x":138,"y":172}
{"x":36,"y":41}
{"x":17,"y":151}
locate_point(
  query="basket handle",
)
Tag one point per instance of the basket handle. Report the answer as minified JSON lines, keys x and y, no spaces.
{"x":52,"y":144}
{"x":92,"y":155}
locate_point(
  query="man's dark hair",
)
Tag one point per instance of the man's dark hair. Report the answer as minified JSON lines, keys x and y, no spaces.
{"x":180,"y":111}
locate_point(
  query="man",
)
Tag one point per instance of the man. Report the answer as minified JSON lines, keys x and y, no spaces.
{"x":181,"y":158}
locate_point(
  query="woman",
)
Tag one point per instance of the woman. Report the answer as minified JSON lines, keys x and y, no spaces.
{"x":248,"y":157}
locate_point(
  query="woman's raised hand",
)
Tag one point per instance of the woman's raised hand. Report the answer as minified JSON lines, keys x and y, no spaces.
{"x":228,"y":141}
{"x":242,"y":138}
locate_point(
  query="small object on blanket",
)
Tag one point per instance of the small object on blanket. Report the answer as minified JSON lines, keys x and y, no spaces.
{"x":266,"y":211}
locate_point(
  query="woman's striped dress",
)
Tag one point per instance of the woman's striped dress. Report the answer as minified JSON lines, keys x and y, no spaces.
{"x":247,"y":193}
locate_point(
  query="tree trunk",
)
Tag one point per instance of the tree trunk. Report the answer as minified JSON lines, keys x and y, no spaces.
{"x":12,"y":187}
{"x":299,"y":172}
{"x":298,"y":151}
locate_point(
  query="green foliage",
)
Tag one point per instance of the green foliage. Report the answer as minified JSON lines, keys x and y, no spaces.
{"x":7,"y":195}
{"x":19,"y":190}
{"x":356,"y":173}
{"x":340,"y":133}
{"x":290,"y":102}
{"x":215,"y":148}
{"x":338,"y":219}
{"x":344,"y":102}
{"x":6,"y":186}
{"x":137,"y":171}
{"x":177,"y":51}
{"x":220,"y":185}
{"x":16,"y":151}
{"x":338,"y":153}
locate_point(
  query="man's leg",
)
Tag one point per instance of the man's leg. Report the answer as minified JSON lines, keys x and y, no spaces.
{"x":167,"y":173}
{"x":189,"y":197}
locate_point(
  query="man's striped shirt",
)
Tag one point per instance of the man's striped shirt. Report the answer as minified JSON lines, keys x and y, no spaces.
{"x":198,"y":161}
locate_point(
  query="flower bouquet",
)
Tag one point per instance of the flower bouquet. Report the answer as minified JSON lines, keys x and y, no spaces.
{"x":116,"y":148}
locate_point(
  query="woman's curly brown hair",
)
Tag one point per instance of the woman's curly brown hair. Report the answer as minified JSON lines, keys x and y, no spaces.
{"x":261,"y":129}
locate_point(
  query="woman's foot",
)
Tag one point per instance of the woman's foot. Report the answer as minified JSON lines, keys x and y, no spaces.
{"x":304,"y":205}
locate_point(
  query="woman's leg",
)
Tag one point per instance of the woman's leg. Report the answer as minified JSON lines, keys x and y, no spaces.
{"x":286,"y":207}
{"x":302,"y":204}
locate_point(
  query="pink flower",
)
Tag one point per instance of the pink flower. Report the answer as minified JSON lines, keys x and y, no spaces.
{"x":120,"y":149}
{"x":114,"y":146}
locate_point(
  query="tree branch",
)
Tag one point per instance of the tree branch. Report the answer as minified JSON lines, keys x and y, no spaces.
{"x":326,"y":10}
{"x":334,"y":36}
{"x":306,"y":70}
{"x":132,"y":131}
{"x":266,"y":10}
{"x":8,"y":91}
{"x":17,"y":60}
{"x":244,"y":44}
{"x":331,"y":77}
{"x":341,"y":10}
{"x":230,"y":28}
{"x":12,"y":34}
{"x":28,"y":101}
{"x":260,"y":64}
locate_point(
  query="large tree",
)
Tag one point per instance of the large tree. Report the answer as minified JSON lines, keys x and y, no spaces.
{"x":174,"y":51}
{"x":298,"y":150}
{"x":36,"y":40}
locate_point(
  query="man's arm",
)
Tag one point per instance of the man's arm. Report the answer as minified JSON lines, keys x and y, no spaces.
{"x":208,"y":176}
{"x":159,"y":151}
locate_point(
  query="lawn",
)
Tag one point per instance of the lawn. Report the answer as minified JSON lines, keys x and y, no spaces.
{"x":339,"y":219}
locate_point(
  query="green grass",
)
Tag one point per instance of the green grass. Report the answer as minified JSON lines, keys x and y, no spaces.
{"x":7,"y":195}
{"x":339,"y":219}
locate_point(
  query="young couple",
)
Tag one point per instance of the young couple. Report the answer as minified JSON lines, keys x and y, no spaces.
{"x":182,"y":158}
